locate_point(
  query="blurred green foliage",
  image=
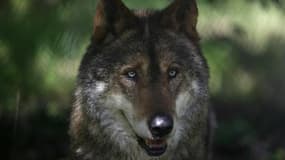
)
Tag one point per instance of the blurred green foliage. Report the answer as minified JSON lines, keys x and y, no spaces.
{"x":42,"y":42}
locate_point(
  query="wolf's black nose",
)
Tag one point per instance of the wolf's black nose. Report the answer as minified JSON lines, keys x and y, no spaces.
{"x":160,"y":125}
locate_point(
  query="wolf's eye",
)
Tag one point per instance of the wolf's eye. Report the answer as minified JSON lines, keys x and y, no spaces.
{"x":132,"y":74}
{"x":172,"y":73}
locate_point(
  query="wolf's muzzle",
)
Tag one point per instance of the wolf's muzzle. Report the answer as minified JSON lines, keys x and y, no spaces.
{"x":160,"y":125}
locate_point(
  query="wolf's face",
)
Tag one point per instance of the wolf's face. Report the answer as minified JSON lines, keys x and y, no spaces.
{"x":143,"y":80}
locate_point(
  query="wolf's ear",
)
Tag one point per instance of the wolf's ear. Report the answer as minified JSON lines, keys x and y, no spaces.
{"x":181,"y":15}
{"x":111,"y":17}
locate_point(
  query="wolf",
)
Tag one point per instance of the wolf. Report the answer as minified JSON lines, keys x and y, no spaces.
{"x":142,"y":86}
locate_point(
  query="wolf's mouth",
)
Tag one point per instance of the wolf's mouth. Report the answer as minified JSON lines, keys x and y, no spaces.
{"x":153,"y":147}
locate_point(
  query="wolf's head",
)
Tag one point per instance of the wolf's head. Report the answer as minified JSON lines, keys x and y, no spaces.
{"x":143,"y":82}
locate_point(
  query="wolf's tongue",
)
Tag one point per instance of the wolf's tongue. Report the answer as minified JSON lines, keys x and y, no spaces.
{"x":157,"y":143}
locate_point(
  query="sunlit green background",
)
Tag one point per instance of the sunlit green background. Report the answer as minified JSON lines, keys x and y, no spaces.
{"x":42,"y":42}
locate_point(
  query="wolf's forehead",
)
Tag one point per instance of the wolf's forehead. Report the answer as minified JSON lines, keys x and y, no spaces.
{"x":147,"y":45}
{"x":159,"y":48}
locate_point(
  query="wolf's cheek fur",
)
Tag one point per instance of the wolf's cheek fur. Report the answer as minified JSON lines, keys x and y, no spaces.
{"x":122,"y":109}
{"x":182,"y":103}
{"x":121,"y":104}
{"x":185,"y":99}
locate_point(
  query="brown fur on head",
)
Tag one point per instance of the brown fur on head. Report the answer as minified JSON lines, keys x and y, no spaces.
{"x":141,"y":64}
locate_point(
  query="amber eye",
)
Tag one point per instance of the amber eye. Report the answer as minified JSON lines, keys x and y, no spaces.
{"x":131,"y":74}
{"x":172,"y":73}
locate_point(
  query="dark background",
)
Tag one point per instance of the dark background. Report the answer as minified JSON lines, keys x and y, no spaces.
{"x":42,"y":42}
